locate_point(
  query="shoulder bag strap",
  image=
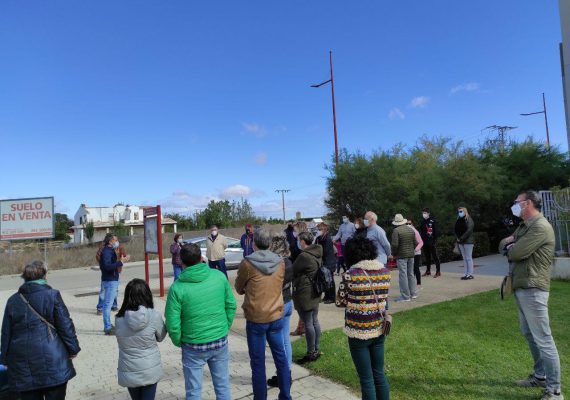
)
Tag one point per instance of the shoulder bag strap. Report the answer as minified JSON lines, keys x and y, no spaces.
{"x":371,"y":287}
{"x":50,"y":326}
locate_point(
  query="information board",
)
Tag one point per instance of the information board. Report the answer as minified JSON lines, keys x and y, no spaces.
{"x":150,"y":235}
{"x":22,"y":219}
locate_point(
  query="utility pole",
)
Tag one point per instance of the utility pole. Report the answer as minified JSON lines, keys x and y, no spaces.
{"x":331,"y":80}
{"x":545,"y":119}
{"x":283,"y":191}
{"x":501,"y":133}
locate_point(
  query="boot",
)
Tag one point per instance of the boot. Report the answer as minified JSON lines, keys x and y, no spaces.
{"x":300,"y":331}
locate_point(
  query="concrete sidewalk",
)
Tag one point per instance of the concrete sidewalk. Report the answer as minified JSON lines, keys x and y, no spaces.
{"x":97,"y":363}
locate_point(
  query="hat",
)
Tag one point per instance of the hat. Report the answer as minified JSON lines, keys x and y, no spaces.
{"x":399,"y":220}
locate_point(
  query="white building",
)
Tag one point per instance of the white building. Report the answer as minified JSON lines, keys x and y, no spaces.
{"x":105,"y":218}
{"x":565,"y":60}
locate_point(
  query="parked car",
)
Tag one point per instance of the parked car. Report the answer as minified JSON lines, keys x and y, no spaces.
{"x":234,"y":252}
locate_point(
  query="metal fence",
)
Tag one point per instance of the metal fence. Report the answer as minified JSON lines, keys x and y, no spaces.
{"x":556,"y":208}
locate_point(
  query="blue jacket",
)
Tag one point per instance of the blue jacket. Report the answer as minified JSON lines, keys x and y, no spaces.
{"x":34,"y":359}
{"x":247,"y":244}
{"x":108,"y":264}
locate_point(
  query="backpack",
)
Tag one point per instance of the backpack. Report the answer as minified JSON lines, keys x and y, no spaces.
{"x":322,"y":281}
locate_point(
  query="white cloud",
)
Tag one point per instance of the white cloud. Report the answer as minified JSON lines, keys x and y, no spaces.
{"x":236,"y":191}
{"x":255,"y":129}
{"x":396,"y":113}
{"x":419,"y":102}
{"x":183,"y":202}
{"x":260,"y":158}
{"x":467,"y":87}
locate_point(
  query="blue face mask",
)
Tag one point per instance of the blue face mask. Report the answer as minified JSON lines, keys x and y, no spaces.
{"x":299,"y":244}
{"x":365,"y":222}
{"x":116,"y":245}
{"x":461,"y":214}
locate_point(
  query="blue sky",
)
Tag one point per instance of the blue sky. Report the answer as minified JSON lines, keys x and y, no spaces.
{"x":177,"y":102}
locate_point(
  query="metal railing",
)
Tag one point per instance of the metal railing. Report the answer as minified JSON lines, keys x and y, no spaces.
{"x":556,"y":209}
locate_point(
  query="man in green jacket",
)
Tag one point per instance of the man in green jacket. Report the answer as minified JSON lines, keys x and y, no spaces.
{"x":403,"y":246}
{"x":199,"y":313}
{"x":531,"y":251}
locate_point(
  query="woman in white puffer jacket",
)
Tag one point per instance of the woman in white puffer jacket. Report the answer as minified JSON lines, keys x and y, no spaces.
{"x":139,"y":328}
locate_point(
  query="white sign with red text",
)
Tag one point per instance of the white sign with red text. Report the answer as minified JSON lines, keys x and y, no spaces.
{"x":27,"y":219}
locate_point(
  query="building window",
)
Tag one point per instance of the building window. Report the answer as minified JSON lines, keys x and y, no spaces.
{"x":136,"y":216}
{"x":111,"y":217}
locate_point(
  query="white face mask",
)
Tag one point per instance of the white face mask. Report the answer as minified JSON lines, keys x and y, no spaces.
{"x":116,"y":245}
{"x":320,"y":233}
{"x":214,"y":233}
{"x":516,"y":210}
{"x":366,"y":223}
{"x":356,"y":226}
{"x":345,"y":220}
{"x":425,"y":215}
{"x":180,"y":241}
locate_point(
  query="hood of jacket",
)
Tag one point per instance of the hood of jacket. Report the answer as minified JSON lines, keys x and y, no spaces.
{"x":137,"y":320}
{"x":195,"y":273}
{"x":369,"y":265}
{"x":316,"y":250}
{"x":265,"y":261}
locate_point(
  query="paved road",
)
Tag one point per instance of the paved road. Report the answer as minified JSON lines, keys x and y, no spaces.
{"x":96,"y":364}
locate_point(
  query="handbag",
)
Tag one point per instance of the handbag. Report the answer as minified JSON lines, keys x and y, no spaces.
{"x":342,"y":292}
{"x":387,"y":325}
{"x":456,"y":249}
{"x":506,"y":287}
{"x":50,"y":326}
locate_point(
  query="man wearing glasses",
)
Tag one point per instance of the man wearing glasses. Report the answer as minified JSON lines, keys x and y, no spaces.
{"x":531,"y":250}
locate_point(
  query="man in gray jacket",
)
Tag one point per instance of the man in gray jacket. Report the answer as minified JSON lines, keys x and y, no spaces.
{"x":531,"y":250}
{"x":403,"y":246}
{"x":378,"y":236}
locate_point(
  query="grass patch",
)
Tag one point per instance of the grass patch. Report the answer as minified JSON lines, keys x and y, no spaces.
{"x":469,"y":348}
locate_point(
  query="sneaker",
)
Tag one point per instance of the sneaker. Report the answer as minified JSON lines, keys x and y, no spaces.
{"x":414,"y":297}
{"x":469,"y":277}
{"x":273,"y":382}
{"x":99,"y":312}
{"x":111,"y":331}
{"x":309,"y":357}
{"x":531,"y":381}
{"x":552,"y":396}
{"x":401,"y":299}
{"x":328,"y":301}
{"x":427,"y":273}
{"x":464,"y":278}
{"x":437,"y":275}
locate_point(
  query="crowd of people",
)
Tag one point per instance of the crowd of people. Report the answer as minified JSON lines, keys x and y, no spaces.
{"x":276,"y":276}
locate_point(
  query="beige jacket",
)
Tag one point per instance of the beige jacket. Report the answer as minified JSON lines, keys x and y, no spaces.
{"x":216,"y":250}
{"x":260,"y":278}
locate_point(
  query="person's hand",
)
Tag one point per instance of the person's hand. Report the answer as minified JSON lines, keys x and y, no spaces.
{"x":510,"y":239}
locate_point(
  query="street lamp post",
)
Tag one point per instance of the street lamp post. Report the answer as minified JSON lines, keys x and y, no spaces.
{"x":545,"y":120}
{"x":331,"y":80}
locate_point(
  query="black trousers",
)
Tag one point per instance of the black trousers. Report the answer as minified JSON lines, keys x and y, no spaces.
{"x":430,"y":252}
{"x":417,"y":272}
{"x":50,"y":393}
{"x":331,"y":293}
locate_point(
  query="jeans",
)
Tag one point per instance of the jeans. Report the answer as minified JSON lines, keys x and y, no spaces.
{"x":466,"y":252}
{"x":193,"y":365}
{"x":110,"y":288}
{"x":368,"y":358}
{"x":417,"y":272}
{"x":220,"y":265}
{"x":143,"y":392}
{"x":312,"y":329}
{"x":102,"y":299}
{"x":407,"y":279}
{"x":535,"y":327}
{"x":177,"y":270}
{"x":49,"y":393}
{"x":287,"y":312}
{"x":257,"y":334}
{"x":340,"y":264}
{"x":430,"y":251}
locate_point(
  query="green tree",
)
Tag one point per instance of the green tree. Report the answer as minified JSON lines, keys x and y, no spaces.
{"x":218,"y":213}
{"x":62,"y":224}
{"x":89,"y":229}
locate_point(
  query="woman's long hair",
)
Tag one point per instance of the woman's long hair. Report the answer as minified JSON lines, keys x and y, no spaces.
{"x":137,"y":293}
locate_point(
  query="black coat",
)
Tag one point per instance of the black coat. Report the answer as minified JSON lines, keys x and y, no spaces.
{"x":34,"y":359}
{"x":429,"y":231}
{"x":329,"y":258}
